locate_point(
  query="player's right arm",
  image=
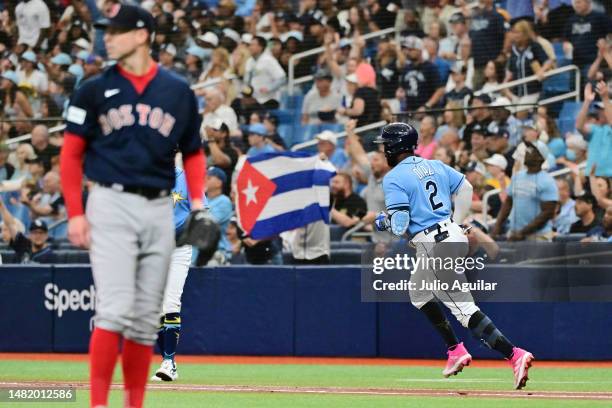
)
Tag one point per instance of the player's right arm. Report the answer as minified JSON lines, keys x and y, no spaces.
{"x":194,"y":161}
{"x":81,"y":121}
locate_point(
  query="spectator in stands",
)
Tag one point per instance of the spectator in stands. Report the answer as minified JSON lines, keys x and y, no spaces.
{"x":270,"y":121}
{"x":496,"y":166}
{"x":431,"y":47}
{"x":31,"y":249}
{"x":603,"y":60}
{"x":453,"y":118}
{"x":479,"y":115}
{"x":599,"y":134}
{"x":427,"y":143}
{"x":264,"y":74}
{"x":460,"y":91}
{"x":527,"y":58}
{"x":419,"y":78}
{"x":603,"y":232}
{"x":36,"y":168}
{"x":42,"y":148}
{"x":13,"y":102}
{"x":365,"y":107}
{"x":347,"y":207}
{"x":503,"y":121}
{"x":494,"y":74}
{"x":167,"y":54}
{"x":219,"y":152}
{"x":49,"y":202}
{"x":217,"y":109}
{"x":445,"y":155}
{"x":585,"y":211}
{"x":388,"y":69}
{"x":449,"y":46}
{"x":600,"y":188}
{"x":583,"y":30}
{"x":7,"y":170}
{"x":487,"y":34}
{"x":576,"y":152}
{"x":374,"y":167}
{"x":245,"y":105}
{"x":478,"y":150}
{"x":194,"y":62}
{"x":30,"y":75}
{"x":257,"y":138}
{"x":18,"y":159}
{"x":532,"y":197}
{"x":221,"y":210}
{"x":566,"y":211}
{"x":320,"y":103}
{"x":33,"y":22}
{"x":327,"y":147}
{"x":234,"y":239}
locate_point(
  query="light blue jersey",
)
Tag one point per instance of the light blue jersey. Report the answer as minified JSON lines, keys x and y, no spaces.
{"x":528,"y":192}
{"x":181,"y":200}
{"x":424,"y":188}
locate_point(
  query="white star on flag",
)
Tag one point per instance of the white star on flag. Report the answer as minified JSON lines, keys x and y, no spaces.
{"x":250,"y":192}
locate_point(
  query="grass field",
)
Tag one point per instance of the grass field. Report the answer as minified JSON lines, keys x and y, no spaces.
{"x":292,"y":382}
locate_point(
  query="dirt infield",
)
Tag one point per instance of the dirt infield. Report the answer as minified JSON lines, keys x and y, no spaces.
{"x":553,"y":395}
{"x":309,"y":360}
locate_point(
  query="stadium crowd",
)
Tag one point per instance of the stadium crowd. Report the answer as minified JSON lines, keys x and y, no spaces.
{"x":441,"y":71}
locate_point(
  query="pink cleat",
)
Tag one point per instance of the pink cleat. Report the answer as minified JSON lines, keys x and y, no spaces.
{"x":520,"y":361}
{"x":457,"y":359}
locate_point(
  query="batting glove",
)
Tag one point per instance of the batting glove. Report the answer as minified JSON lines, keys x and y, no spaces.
{"x":381,"y":222}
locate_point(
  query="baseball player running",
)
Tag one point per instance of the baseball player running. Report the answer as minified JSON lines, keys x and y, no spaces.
{"x":419,"y":196}
{"x":123,"y":127}
{"x":170,"y":325}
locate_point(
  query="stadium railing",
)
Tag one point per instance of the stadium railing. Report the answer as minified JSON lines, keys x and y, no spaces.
{"x":292,"y":81}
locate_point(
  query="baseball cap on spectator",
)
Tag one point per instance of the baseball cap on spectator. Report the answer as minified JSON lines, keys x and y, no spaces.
{"x":258,"y":129}
{"x":457,"y":18}
{"x":218,"y":173}
{"x":61,"y":59}
{"x":412,"y":42}
{"x":323,"y":73}
{"x":529,"y":124}
{"x":77,"y":71}
{"x":497,"y":160}
{"x":82,"y":43}
{"x":327,"y":136}
{"x":576,"y":142}
{"x":168,"y":48}
{"x":476,"y":166}
{"x":39,"y":225}
{"x":219,"y":125}
{"x":196,"y":51}
{"x":540,"y":147}
{"x":503,"y":102}
{"x":127,"y":17}
{"x":459,"y":68}
{"x":344,"y":43}
{"x":29,"y":56}
{"x":11,"y":76}
{"x":481,"y":130}
{"x":352,"y":78}
{"x":82,"y":55}
{"x":231,"y":34}
{"x":209,"y":38}
{"x":246,"y":38}
{"x":296,"y":35}
{"x":92,"y":59}
{"x":484,"y":98}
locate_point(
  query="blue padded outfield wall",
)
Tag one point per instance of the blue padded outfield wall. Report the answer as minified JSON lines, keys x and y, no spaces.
{"x":302,"y":311}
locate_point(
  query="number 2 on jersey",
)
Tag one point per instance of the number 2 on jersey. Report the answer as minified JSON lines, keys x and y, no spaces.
{"x":432,"y":195}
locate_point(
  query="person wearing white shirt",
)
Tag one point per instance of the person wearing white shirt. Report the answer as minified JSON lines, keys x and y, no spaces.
{"x":264,"y":74}
{"x":216,"y":109}
{"x":33,"y":22}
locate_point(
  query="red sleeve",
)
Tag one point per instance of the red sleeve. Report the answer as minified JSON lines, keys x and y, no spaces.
{"x":195,"y":172}
{"x":71,"y":170}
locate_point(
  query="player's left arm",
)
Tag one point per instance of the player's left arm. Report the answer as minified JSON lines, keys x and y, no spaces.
{"x":397,"y":218}
{"x":194,"y":161}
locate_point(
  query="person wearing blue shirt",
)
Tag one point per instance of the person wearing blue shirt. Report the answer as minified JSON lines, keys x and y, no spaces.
{"x":567,"y":213}
{"x":532,"y":198}
{"x":599,"y":134}
{"x":221,"y":210}
{"x":327,"y":144}
{"x":257,"y":140}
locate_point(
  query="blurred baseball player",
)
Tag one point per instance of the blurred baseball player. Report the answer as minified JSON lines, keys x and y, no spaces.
{"x":123,"y":127}
{"x":419,"y":196}
{"x":170,"y":325}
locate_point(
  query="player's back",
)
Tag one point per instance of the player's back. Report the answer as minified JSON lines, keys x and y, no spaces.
{"x":425,"y":187}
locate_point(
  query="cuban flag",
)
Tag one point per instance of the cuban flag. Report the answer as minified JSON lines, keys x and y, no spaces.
{"x":282,"y":191}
